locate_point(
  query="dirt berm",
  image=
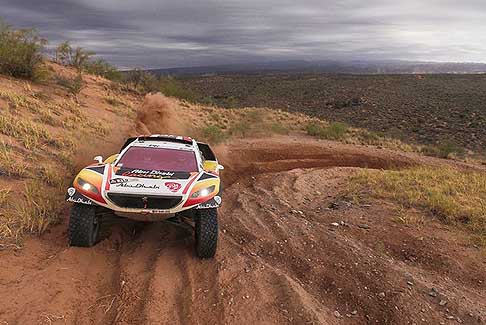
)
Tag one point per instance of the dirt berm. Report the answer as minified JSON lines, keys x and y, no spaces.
{"x":280,"y":259}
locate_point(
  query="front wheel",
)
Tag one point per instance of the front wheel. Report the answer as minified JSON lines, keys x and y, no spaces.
{"x":84,"y":226}
{"x":206,"y":233}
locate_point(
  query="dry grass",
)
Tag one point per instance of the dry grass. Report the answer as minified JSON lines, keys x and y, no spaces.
{"x":100,"y":129}
{"x":455,"y":196}
{"x":16,"y":100}
{"x":115,"y":100}
{"x":27,"y":132}
{"x":33,"y":213}
{"x":42,"y":128}
{"x":9,"y":164}
{"x":4,"y":193}
{"x":52,"y":176}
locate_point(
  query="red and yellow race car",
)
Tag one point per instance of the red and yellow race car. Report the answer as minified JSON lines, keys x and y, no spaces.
{"x":153,"y":178}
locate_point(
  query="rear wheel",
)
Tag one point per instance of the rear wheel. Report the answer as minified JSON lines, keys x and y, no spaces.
{"x":84,"y":226}
{"x":206,"y":233}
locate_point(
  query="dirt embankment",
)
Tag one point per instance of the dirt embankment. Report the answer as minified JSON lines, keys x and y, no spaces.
{"x":291,"y":250}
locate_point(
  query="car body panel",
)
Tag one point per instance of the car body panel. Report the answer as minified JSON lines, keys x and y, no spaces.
{"x":143,"y":191}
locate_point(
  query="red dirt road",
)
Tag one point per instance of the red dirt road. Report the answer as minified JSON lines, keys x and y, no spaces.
{"x":280,"y":260}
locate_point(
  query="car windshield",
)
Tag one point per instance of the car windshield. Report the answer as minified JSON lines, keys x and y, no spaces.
{"x":159,"y":159}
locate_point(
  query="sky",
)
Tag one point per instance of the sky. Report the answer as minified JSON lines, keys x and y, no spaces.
{"x":181,"y":33}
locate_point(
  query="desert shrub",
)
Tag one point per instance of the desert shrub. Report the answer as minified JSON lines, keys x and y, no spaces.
{"x":169,"y":86}
{"x":240,"y":129}
{"x":73,"y":57}
{"x":21,"y":53}
{"x":74,"y":85}
{"x":231,"y":102}
{"x":104,"y":69}
{"x":456,"y":196}
{"x":279,"y":128}
{"x":313,"y":129}
{"x":142,"y":81}
{"x":444,"y":150}
{"x":213,"y":134}
{"x":208,"y":101}
{"x":370,"y":137}
{"x":334,"y":131}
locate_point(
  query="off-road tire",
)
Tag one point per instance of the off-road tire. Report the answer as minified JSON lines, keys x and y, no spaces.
{"x":84,"y":226}
{"x":206,"y":232}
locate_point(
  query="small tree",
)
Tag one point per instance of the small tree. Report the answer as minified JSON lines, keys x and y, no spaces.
{"x":63,"y":53}
{"x":142,"y":81}
{"x":134,"y":77}
{"x":20,"y":52}
{"x":74,"y":57}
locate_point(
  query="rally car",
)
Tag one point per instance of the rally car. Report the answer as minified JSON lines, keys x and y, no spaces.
{"x":154,"y":177}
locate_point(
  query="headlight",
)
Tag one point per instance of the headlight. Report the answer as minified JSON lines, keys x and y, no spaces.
{"x":204,"y":192}
{"x":87,"y":186}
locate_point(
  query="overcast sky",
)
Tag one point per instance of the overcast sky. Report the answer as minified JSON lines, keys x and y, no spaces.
{"x":160,"y":33}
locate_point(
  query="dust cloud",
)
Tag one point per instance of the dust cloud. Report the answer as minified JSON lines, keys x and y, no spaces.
{"x":159,"y":115}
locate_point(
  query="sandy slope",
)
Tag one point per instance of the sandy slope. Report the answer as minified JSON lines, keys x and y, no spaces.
{"x":279,"y":261}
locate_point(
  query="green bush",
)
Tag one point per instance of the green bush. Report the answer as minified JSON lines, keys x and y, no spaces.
{"x":444,"y":150}
{"x":169,"y":86}
{"x":241,"y":129}
{"x":334,"y":131}
{"x":213,"y":134}
{"x":73,"y":86}
{"x":73,"y":57}
{"x":279,"y":128}
{"x":20,"y":52}
{"x":313,"y":129}
{"x":104,"y":69}
{"x":142,"y":81}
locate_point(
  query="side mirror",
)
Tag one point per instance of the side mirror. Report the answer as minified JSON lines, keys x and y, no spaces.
{"x":220,"y":167}
{"x":98,"y":159}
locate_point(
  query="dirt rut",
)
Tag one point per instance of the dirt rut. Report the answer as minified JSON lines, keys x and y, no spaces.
{"x":279,"y":260}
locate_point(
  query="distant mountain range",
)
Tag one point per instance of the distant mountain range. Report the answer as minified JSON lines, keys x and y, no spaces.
{"x":348,"y":67}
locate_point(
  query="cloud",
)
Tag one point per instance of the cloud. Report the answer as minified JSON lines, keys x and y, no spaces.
{"x":161,"y":33}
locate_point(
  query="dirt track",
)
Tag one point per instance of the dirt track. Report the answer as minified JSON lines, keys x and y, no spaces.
{"x":279,"y":260}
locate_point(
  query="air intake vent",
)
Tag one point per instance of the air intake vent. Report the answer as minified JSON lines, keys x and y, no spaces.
{"x":144,"y":201}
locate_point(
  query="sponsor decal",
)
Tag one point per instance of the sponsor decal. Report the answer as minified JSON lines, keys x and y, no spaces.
{"x":208,"y":205}
{"x":119,"y":181}
{"x":213,"y":203}
{"x":75,"y":197}
{"x":158,"y":174}
{"x":173,"y":186}
{"x":154,"y":174}
{"x":138,"y":185}
{"x":79,"y":200}
{"x":160,"y":211}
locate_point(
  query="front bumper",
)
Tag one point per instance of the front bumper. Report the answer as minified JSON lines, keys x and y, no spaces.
{"x":124,"y":204}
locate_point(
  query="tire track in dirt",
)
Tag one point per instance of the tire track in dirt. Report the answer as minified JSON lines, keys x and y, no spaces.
{"x":279,"y":260}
